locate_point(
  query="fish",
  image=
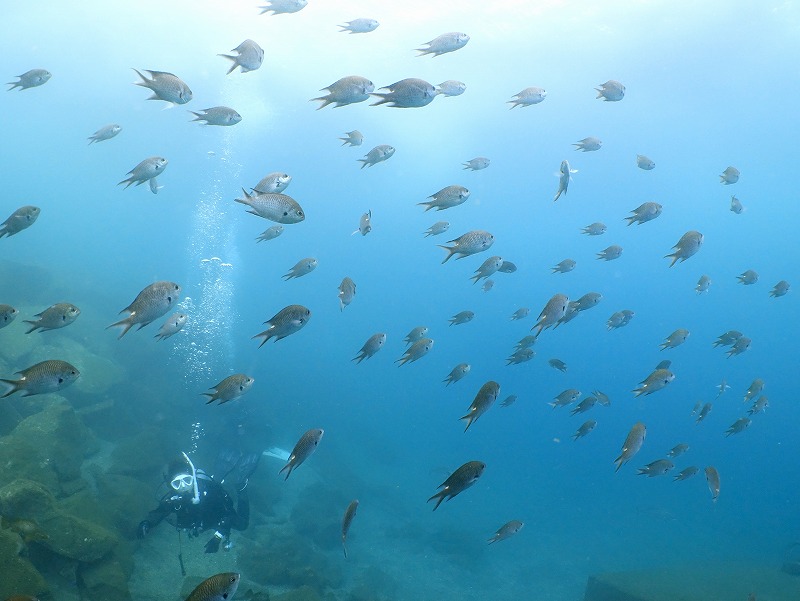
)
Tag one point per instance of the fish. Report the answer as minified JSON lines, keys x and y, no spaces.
{"x":632,"y":445}
{"x":287,"y":321}
{"x":249,"y":57}
{"x":301,"y":268}
{"x":442,"y":44}
{"x":347,"y":521}
{"x":105,"y":133}
{"x":564,"y":266}
{"x":528,"y":97}
{"x":459,"y":481}
{"x":19,"y":220}
{"x":686,"y":473}
{"x":759,"y":405}
{"x":595,"y":229}
{"x":656,"y":381}
{"x":47,"y":376}
{"x":273,"y":183}
{"x":755,"y":389}
{"x":468,"y":244}
{"x":520,"y":313}
{"x":712,"y":478}
{"x":359,"y":26}
{"x":7,"y":315}
{"x":506,"y":531}
{"x":417,"y":350}
{"x":415,"y":334}
{"x":611,"y":91}
{"x":217,"y":115}
{"x":677,"y":450}
{"x":659,"y":467}
{"x":489,"y":267}
{"x":647,"y":211}
{"x":722,"y":387}
{"x":55,"y":316}
{"x":703,"y":284}
{"x":270,"y":233}
{"x":520,"y":356}
{"x":739,"y":347}
{"x":406,"y":93}
{"x":165,"y":86}
{"x":565,"y":397}
{"x":283,"y":7}
{"x":645,"y":163}
{"x":564,"y":177}
{"x":150,"y":304}
{"x":353,"y":138}
{"x":30,"y":79}
{"x":373,"y":344}
{"x":446,"y":198}
{"x":677,"y":338}
{"x":686,"y":247}
{"x":483,"y":401}
{"x":619,"y":319}
{"x":274,"y":207}
{"x":229,"y":389}
{"x":457,"y":373}
{"x":171,"y":326}
{"x":347,"y":292}
{"x":739,"y":426}
{"x":146,"y":171}
{"x":477,"y":164}
{"x":727,"y":339}
{"x":584,"y":406}
{"x":364,"y":224}
{"x":602,"y":398}
{"x":487,"y":285}
{"x":665,"y":364}
{"x":440,"y":227}
{"x":526,"y":341}
{"x":729,"y":176}
{"x":704,"y":411}
{"x":554,"y":310}
{"x":461,"y":318}
{"x":451,"y":87}
{"x":584,"y":429}
{"x":557,"y":364}
{"x":380,"y":153}
{"x":304,"y":448}
{"x":611,"y":253}
{"x":589,"y":144}
{"x":221,"y":587}
{"x":780,"y":289}
{"x":347,"y":90}
{"x":509,"y":400}
{"x":748,"y":278}
{"x":736,"y":206}
{"x":507,"y":267}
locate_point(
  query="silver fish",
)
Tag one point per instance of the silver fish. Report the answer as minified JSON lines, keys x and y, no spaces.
{"x":477,"y":164}
{"x":459,"y":481}
{"x":364,"y":224}
{"x":686,"y":247}
{"x":506,"y":531}
{"x":554,"y":310}
{"x":417,"y":350}
{"x":677,"y":450}
{"x":656,"y":381}
{"x":47,"y":376}
{"x":287,"y":321}
{"x":172,"y":326}
{"x":611,"y":253}
{"x":528,"y":97}
{"x":21,"y":219}
{"x":105,"y":133}
{"x":446,"y":198}
{"x":416,"y":334}
{"x":584,"y":406}
{"x":487,"y":268}
{"x":595,"y":229}
{"x":739,"y":347}
{"x":748,"y":278}
{"x":564,"y":176}
{"x":509,"y":400}
{"x":461,"y":318}
{"x":55,"y":316}
{"x":589,"y":144}
{"x":468,"y":244}
{"x":611,"y":91}
{"x":485,"y":398}
{"x":759,"y":405}
{"x":380,"y":153}
{"x":347,"y":520}
{"x":645,"y":163}
{"x":373,"y":344}
{"x":712,"y":478}
{"x":354,"y":138}
{"x":406,"y":93}
{"x":274,"y":207}
{"x":729,"y":176}
{"x":703,"y":284}
{"x":704,"y":411}
{"x":727,"y":339}
{"x":736,"y":206}
{"x":303,"y":450}
{"x":7,"y":315}
{"x":230,"y":388}
{"x":780,"y":289}
{"x":457,"y":373}
{"x":677,"y":338}
{"x":557,"y":364}
{"x":633,"y":442}
{"x":565,"y":397}
{"x":520,"y":356}
{"x":739,"y":426}
{"x":283,"y":7}
{"x":145,"y":171}
{"x":270,"y":233}
{"x":520,"y":313}
{"x":451,"y":87}
{"x":273,"y":183}
{"x":359,"y":26}
{"x":301,"y":268}
{"x":507,"y":267}
{"x":165,"y":86}
{"x":347,"y":90}
{"x":645,"y":212}
{"x":150,"y":304}
{"x":447,"y":42}
{"x":659,"y":467}
{"x":217,"y":115}
{"x":437,"y":228}
{"x":30,"y":79}
{"x":347,"y":292}
{"x":584,"y":429}
{"x":686,"y":473}
{"x":564,"y":266}
{"x":249,"y":57}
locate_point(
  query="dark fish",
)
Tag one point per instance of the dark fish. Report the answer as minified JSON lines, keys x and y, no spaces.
{"x":302,"y":450}
{"x":485,"y":398}
{"x":687,"y":473}
{"x":221,"y":587}
{"x":349,"y":514}
{"x":712,"y":478}
{"x":19,"y":220}
{"x":459,"y":481}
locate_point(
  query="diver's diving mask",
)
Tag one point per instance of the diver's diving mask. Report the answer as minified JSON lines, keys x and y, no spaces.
{"x":183,"y":483}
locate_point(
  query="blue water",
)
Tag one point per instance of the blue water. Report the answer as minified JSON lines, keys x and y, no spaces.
{"x":707,"y":86}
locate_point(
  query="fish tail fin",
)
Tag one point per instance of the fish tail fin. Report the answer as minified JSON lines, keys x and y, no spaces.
{"x":469,"y":419}
{"x":126,"y":324}
{"x":288,"y":466}
{"x":440,"y":497}
{"x":235,"y":62}
{"x":325,"y":102}
{"x":145,"y":82}
{"x":383,"y":99}
{"x":599,"y":93}
{"x":344,"y":548}
{"x":14,"y":388}
{"x":674,"y":258}
{"x":428,"y":205}
{"x":265,"y":335}
{"x":451,"y":250}
{"x":198,"y":116}
{"x":34,"y":326}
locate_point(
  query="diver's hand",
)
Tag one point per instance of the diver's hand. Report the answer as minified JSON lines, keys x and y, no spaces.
{"x":212,"y":546}
{"x":142,"y":529}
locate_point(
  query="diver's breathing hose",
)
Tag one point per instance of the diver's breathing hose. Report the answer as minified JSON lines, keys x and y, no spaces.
{"x":196,"y":497}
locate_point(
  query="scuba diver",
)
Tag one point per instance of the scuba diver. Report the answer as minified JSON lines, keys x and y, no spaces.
{"x":199,"y":501}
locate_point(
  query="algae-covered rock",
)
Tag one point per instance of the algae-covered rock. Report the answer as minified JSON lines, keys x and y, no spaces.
{"x":304,"y":593}
{"x":104,"y":580}
{"x":143,"y":454}
{"x":17,"y":574}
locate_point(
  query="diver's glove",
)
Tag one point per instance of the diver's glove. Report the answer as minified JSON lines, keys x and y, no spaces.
{"x":142,"y":529}
{"x":212,"y":546}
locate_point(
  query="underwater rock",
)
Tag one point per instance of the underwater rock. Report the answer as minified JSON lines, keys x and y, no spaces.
{"x":104,"y":580}
{"x":141,"y":455}
{"x":19,"y":577}
{"x":304,"y":593}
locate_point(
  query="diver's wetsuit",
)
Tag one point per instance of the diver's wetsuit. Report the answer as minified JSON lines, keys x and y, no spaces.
{"x":214,"y":511}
